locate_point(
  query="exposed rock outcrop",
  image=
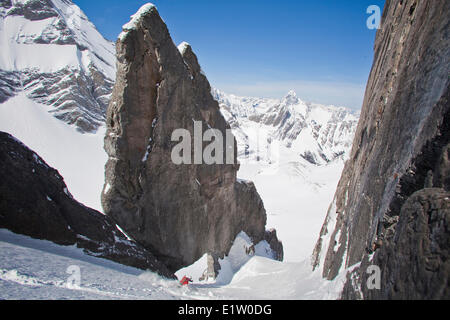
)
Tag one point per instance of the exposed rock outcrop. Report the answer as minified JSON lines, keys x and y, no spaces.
{"x":275,"y":244}
{"x":401,"y":147}
{"x":35,"y":201}
{"x":178,"y":212}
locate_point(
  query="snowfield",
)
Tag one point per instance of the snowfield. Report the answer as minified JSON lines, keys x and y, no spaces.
{"x":296,"y":196}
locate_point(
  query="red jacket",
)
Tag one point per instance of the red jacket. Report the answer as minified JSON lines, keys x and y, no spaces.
{"x":185,"y":281}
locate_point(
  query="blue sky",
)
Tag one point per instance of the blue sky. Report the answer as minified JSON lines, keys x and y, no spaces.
{"x":321,"y":49}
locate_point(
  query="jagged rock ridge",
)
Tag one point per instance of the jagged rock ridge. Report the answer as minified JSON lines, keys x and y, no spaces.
{"x":393,"y":197}
{"x":179,"y":212}
{"x":35,"y":201}
{"x":52,"y":52}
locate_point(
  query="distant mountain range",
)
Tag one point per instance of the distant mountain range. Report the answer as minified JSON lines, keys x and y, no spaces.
{"x":316,"y":133}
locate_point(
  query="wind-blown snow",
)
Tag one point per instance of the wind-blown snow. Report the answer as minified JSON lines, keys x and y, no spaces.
{"x":237,"y":257}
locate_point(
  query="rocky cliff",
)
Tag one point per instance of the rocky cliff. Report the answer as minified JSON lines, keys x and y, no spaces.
{"x":391,"y":207}
{"x":35,"y":201}
{"x":178,"y":212}
{"x":53,"y":53}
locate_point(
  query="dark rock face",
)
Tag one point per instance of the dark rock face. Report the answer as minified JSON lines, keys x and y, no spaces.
{"x":6,"y":4}
{"x":34,"y":9}
{"x":85,"y":100}
{"x":275,"y":244}
{"x":415,"y":261}
{"x":401,"y":147}
{"x":34,"y":201}
{"x":9,"y":84}
{"x":178,"y":212}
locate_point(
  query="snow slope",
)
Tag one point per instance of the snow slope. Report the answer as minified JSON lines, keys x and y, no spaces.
{"x":38,"y":270}
{"x":295,"y":195}
{"x":79,"y":158}
{"x":66,"y":38}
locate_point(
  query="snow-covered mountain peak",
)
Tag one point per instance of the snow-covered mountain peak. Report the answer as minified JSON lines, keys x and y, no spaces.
{"x":291,"y":98}
{"x":55,"y":22}
{"x":182,"y":47}
{"x":87,"y":37}
{"x":51,"y":51}
{"x":136,"y":18}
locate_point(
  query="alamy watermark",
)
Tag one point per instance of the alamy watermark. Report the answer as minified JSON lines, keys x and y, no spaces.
{"x":374,"y":20}
{"x":374,"y":280}
{"x":212,"y":147}
{"x":74,"y":280}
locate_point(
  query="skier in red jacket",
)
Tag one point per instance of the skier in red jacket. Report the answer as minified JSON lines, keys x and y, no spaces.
{"x":185,"y":281}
